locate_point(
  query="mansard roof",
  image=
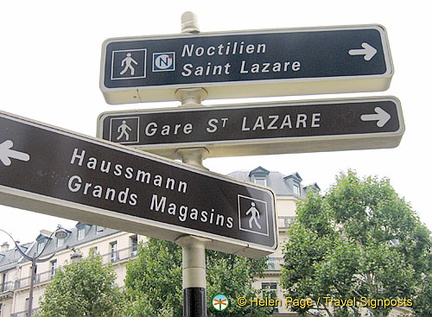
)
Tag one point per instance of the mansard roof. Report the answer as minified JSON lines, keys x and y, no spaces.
{"x":10,"y":257}
{"x":282,"y":185}
{"x":93,"y":232}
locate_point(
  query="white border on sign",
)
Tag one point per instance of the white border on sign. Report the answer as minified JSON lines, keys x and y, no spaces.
{"x":266,"y":212}
{"x":124,"y":118}
{"x":129,"y":77}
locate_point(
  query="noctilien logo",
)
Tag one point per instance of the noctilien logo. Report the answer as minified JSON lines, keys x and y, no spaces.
{"x":220,"y":302}
{"x":163,"y":62}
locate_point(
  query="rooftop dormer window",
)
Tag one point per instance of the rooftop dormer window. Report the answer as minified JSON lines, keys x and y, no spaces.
{"x":40,"y":246}
{"x":259,"y":176}
{"x":42,"y":240}
{"x":260,"y":181}
{"x":293,"y":182}
{"x":296,"y":189}
{"x":82,"y":231}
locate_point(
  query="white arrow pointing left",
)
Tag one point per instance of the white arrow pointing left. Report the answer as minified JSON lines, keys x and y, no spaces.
{"x":6,"y":153}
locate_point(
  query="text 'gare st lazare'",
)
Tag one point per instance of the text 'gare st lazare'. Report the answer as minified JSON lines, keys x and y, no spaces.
{"x":146,"y":199}
{"x":247,"y":123}
{"x":229,"y":49}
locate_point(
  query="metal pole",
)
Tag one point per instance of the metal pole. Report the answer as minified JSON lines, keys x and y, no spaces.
{"x":194,"y":276}
{"x":32,"y":278}
{"x":193,"y":248}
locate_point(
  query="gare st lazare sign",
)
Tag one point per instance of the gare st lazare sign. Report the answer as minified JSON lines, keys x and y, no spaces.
{"x":257,"y":129}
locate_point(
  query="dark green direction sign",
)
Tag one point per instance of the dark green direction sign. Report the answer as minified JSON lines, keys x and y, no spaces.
{"x":52,"y":171}
{"x":247,"y":64}
{"x":254,"y":129}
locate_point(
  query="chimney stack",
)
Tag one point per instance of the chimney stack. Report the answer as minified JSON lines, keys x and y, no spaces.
{"x":4,"y":247}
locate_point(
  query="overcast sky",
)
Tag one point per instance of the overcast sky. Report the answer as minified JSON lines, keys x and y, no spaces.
{"x":50,"y":63}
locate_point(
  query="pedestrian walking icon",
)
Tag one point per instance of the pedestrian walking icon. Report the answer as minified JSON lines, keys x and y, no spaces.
{"x":253,"y":215}
{"x":127,"y":63}
{"x":130,"y":64}
{"x":123,"y":130}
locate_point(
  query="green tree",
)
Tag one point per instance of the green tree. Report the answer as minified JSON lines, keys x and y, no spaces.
{"x":359,"y":241}
{"x":233,"y":276}
{"x":83,"y":288}
{"x":156,"y":276}
{"x":423,"y":301}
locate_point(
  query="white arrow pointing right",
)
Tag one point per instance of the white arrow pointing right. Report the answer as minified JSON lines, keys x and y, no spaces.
{"x":368,"y":51}
{"x":6,"y":153}
{"x":380,"y":116}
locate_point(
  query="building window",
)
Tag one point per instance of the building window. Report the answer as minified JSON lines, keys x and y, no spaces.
{"x":53,"y":268}
{"x":271,"y":263}
{"x":82,"y":230}
{"x":3,"y":284}
{"x":114,"y":252}
{"x":260,"y":181}
{"x":81,"y":233}
{"x":60,"y":242}
{"x":296,"y":188}
{"x":269,"y":287}
{"x":134,"y":245}
{"x":40,"y":246}
{"x":269,"y":290}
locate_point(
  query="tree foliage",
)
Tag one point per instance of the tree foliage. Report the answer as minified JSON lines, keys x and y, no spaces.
{"x":360,"y":241}
{"x":233,"y":276}
{"x":156,"y":276}
{"x":83,"y":288}
{"x":423,"y":301}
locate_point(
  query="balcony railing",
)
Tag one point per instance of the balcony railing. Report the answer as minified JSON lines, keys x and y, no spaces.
{"x":274,"y":264}
{"x":47,"y":276}
{"x":284,"y":221}
{"x":24,"y":313}
{"x":7,"y":287}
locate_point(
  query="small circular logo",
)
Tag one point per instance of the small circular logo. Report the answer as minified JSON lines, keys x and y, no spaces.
{"x":163,"y":61}
{"x":220,"y":302}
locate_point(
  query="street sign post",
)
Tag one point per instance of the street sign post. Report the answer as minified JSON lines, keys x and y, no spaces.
{"x":254,"y":129}
{"x":57,"y":172}
{"x":247,"y":64}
